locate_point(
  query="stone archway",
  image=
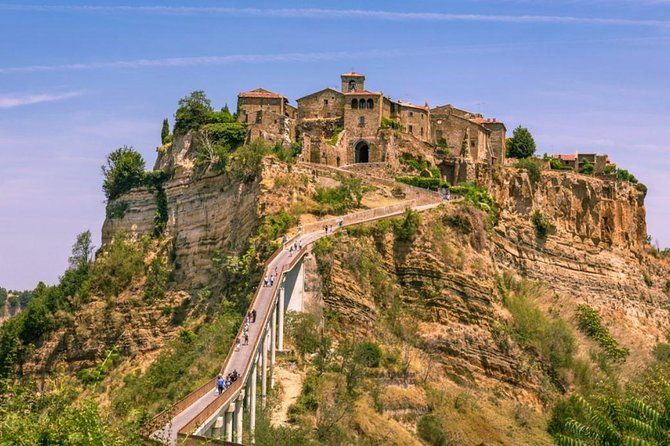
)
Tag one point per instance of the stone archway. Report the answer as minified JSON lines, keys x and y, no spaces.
{"x":362,"y":152}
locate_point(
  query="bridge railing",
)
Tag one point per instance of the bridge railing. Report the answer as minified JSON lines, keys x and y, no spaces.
{"x":226,"y":397}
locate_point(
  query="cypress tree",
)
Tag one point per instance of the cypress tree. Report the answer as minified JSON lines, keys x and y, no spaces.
{"x":165,"y":131}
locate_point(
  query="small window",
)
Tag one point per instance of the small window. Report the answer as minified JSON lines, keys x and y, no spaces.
{"x":411,"y":113}
{"x":325,"y":102}
{"x":361,"y":121}
{"x":371,"y":104}
{"x":410,"y":129}
{"x":361,"y":103}
{"x":354,"y":103}
{"x":473,"y":143}
{"x":352,"y":85}
{"x":259,"y":117}
{"x":421,"y":131}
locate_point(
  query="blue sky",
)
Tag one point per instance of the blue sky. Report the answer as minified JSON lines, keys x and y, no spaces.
{"x":79,"y":79}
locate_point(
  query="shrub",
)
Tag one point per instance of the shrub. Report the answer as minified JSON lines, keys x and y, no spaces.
{"x":556,"y":164}
{"x":586,"y":168}
{"x":430,"y":430}
{"x":335,"y":136}
{"x":480,"y":198}
{"x":340,"y":199}
{"x":123,"y":171}
{"x":245,"y":162}
{"x":542,"y":225}
{"x":405,"y":230}
{"x":532,"y":166}
{"x":460,"y":222}
{"x":423,"y":182}
{"x":117,"y":209}
{"x":642,"y":188}
{"x":369,"y":354}
{"x":121,"y":261}
{"x":624,"y":175}
{"x":662,"y":352}
{"x":388,"y":123}
{"x":194,"y":111}
{"x":647,"y":279}
{"x":521,"y":144}
{"x":158,"y":273}
{"x":590,"y":323}
{"x":227,"y":134}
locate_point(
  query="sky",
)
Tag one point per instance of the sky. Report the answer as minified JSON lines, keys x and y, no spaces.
{"x":80,"y":79}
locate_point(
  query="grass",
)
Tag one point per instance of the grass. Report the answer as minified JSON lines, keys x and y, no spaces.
{"x":590,"y":322}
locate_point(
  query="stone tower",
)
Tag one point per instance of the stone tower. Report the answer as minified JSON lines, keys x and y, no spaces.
{"x":352,"y":82}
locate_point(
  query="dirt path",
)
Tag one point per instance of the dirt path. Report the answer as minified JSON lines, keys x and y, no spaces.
{"x":290,"y":379}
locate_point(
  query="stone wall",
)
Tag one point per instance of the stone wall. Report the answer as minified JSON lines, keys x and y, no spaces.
{"x":455,"y":129}
{"x":416,"y":122}
{"x":324,"y":104}
{"x":371,"y":117}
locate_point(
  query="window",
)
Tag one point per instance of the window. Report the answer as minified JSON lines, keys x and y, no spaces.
{"x":421,"y":131}
{"x":354,"y":103}
{"x":410,"y":129}
{"x":361,"y":103}
{"x":371,"y":104}
{"x":473,"y":143}
{"x":352,"y":85}
{"x":411,"y":113}
{"x":361,"y":121}
{"x":325,"y":102}
{"x":259,"y":116}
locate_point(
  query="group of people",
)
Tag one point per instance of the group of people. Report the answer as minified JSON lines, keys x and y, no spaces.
{"x":223,"y":383}
{"x":329,"y":228}
{"x":248,"y":320}
{"x":295,"y":247}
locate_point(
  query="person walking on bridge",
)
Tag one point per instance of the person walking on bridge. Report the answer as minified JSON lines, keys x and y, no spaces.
{"x":219,"y":384}
{"x":253,"y":315}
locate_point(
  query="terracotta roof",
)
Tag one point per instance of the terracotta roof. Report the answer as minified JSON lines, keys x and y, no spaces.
{"x":353,"y":74}
{"x":564,"y":157}
{"x":409,"y":104}
{"x":260,"y":93}
{"x":363,"y":92}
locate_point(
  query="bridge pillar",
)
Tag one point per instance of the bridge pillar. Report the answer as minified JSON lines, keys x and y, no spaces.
{"x":239,"y":414}
{"x":216,"y":429}
{"x":273,"y":346}
{"x":280,"y":317}
{"x":264,"y":371}
{"x":252,"y":400}
{"x":229,"y":422}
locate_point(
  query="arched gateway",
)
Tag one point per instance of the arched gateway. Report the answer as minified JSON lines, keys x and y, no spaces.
{"x":362,"y":152}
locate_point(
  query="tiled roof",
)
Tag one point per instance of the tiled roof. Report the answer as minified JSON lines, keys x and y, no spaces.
{"x":564,"y":157}
{"x":353,"y":74}
{"x":409,"y":104}
{"x":260,"y":93}
{"x":363,"y":92}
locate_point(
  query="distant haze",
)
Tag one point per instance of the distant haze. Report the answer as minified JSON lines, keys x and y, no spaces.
{"x":80,"y":80}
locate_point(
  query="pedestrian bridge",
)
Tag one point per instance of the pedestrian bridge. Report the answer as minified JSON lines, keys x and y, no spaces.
{"x":204,"y":416}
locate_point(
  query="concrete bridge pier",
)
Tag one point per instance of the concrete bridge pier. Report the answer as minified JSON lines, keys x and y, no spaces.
{"x":239,"y":414}
{"x":252,"y":399}
{"x":217,"y":428}
{"x":273,"y":345}
{"x":264,"y":369}
{"x":280,"y":316}
{"x":228,"y":427}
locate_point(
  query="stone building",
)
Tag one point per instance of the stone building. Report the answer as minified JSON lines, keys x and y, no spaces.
{"x":268,"y":116}
{"x":356,"y":125}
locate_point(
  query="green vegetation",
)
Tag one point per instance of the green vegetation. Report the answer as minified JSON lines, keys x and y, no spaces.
{"x":13,"y":301}
{"x":521,"y":144}
{"x":302,"y":329}
{"x":405,"y":230}
{"x":388,"y":123}
{"x":430,"y":430}
{"x":480,"y":198}
{"x":99,"y":372}
{"x":556,"y":164}
{"x":586,"y":168}
{"x":123,"y":171}
{"x":662,"y":352}
{"x":624,"y":175}
{"x":194,"y":111}
{"x":424,"y":182}
{"x":340,"y":199}
{"x":335,"y":136}
{"x":548,"y":337}
{"x":542,"y":226}
{"x":532,"y":166}
{"x":32,"y":416}
{"x":120,"y":262}
{"x":117,"y":209}
{"x":590,"y":323}
{"x":166,"y":137}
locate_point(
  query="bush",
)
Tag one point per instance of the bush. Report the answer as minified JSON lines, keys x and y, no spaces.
{"x":586,"y":168}
{"x":368,"y":354}
{"x":480,"y":198}
{"x":388,"y":123}
{"x":624,"y":175}
{"x":117,"y":209}
{"x":542,"y":225}
{"x":405,"y":230}
{"x":460,"y":222}
{"x":521,"y":144}
{"x":194,"y":111}
{"x":430,"y":430}
{"x":662,"y":352}
{"x":590,"y":323}
{"x":302,"y":330}
{"x":423,"y":182}
{"x":245,"y":162}
{"x":532,"y":166}
{"x":342,"y":198}
{"x":335,"y":136}
{"x":121,"y":261}
{"x":123,"y":171}
{"x":228,"y":134}
{"x":557,"y":164}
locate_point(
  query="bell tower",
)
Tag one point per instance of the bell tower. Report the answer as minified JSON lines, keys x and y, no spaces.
{"x":352,"y":82}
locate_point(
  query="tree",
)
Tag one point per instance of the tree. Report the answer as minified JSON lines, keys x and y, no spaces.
{"x":165,"y":131}
{"x":81,"y":251}
{"x":123,"y":171}
{"x":194,"y":110}
{"x":521,"y":144}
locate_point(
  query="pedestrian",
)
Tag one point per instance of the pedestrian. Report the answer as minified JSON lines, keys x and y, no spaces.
{"x":237,"y":344}
{"x":253,"y":315}
{"x":284,"y":239}
{"x":300,"y":244}
{"x":219,"y":384}
{"x":246,"y":338}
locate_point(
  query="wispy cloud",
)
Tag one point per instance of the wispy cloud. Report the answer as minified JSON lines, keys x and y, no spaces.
{"x":11,"y":101}
{"x":340,"y":14}
{"x":309,"y":56}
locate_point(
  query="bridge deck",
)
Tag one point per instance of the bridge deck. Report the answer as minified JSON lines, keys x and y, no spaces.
{"x":240,"y":359}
